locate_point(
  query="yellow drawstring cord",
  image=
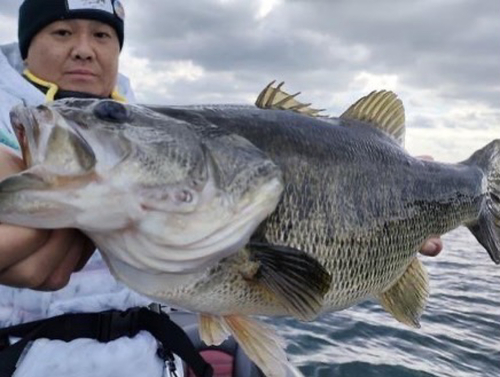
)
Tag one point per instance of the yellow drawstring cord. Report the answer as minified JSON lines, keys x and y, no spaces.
{"x":53,"y":88}
{"x":117,"y":96}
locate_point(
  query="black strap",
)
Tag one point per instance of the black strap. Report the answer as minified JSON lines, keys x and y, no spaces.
{"x":104,"y":327}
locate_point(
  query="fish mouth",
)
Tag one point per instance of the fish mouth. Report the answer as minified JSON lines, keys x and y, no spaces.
{"x":58,"y":161}
{"x":50,"y":141}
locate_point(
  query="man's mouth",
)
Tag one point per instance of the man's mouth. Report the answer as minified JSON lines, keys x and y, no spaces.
{"x":85,"y":73}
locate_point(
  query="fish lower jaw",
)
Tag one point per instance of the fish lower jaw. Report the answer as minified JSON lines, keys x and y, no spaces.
{"x":173,"y":290}
{"x":156,"y":254}
{"x":186,"y":243}
{"x":145,"y":249}
{"x":146,"y":282}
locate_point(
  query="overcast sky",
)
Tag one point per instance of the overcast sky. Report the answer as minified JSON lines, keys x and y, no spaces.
{"x":442,"y":57}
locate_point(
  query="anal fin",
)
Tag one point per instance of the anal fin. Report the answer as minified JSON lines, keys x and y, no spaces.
{"x":406,"y":299}
{"x":297,"y":280}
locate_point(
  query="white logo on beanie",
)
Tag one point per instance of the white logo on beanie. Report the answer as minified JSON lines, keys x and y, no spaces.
{"x":119,"y":10}
{"x":104,"y":5}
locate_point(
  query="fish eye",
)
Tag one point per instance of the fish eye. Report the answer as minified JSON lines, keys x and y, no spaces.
{"x":111,"y":111}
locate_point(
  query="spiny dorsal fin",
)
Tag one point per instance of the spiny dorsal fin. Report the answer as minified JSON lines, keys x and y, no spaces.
{"x":276,"y":99}
{"x":384,"y":110}
{"x":406,"y":299}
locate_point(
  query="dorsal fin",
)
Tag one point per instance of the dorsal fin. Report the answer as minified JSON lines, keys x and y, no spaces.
{"x":384,"y":110}
{"x":277,"y":99}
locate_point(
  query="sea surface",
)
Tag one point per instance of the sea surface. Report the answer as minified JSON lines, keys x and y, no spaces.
{"x":459,"y":337}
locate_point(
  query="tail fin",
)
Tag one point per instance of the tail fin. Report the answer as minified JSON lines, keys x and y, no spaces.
{"x":487,"y":228}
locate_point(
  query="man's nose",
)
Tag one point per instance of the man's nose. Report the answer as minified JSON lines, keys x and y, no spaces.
{"x":83,"y":48}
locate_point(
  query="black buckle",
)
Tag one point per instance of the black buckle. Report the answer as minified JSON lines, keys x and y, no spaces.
{"x":166,"y":355}
{"x":157,"y":308}
{"x":115,"y":324}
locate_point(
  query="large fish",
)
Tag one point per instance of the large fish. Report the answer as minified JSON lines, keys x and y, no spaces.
{"x":341,"y":208}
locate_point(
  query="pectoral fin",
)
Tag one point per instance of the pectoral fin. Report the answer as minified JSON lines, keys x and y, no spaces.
{"x":406,"y":299}
{"x":298,"y":281}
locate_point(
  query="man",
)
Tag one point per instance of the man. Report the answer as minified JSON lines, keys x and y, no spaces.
{"x":75,"y":56}
{"x":66,"y":48}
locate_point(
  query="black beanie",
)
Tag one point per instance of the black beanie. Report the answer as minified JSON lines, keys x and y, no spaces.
{"x":34,"y":15}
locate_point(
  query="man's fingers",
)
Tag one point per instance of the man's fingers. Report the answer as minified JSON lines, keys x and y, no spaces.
{"x":33,"y":271}
{"x":17,"y":243}
{"x":11,"y":162}
{"x":60,"y":276}
{"x":432,"y":247}
{"x":88,"y":249}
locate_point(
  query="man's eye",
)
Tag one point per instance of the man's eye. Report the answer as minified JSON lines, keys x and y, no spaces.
{"x":102,"y":35}
{"x":62,"y":32}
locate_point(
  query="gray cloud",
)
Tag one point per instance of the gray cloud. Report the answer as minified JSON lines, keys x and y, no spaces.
{"x":450,"y":46}
{"x":447,"y":46}
{"x":10,"y":8}
{"x":447,"y":49}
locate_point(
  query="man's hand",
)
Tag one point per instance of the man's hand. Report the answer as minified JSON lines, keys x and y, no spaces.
{"x":38,"y":259}
{"x":434,"y":245}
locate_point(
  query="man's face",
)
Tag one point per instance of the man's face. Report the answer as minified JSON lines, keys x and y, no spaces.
{"x":76,"y":55}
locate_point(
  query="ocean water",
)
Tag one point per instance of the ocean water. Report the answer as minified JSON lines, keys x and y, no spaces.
{"x":459,"y":337}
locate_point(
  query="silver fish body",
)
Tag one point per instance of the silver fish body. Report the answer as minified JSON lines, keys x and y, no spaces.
{"x":233,"y":211}
{"x":353,"y":199}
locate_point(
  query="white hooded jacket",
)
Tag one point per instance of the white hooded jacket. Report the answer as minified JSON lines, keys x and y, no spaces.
{"x":91,"y":290}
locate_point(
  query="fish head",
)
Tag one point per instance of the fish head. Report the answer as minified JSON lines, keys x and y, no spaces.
{"x":56,"y":156}
{"x":153,"y":182}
